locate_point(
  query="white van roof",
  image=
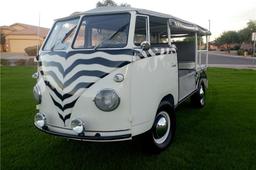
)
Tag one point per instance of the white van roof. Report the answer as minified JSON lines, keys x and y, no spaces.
{"x":176,"y":23}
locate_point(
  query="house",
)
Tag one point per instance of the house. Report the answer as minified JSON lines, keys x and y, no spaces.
{"x":212,"y":46}
{"x":227,"y":47}
{"x":246,"y":46}
{"x":18,"y":36}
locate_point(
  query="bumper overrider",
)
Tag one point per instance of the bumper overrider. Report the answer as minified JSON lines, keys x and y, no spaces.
{"x":118,"y":135}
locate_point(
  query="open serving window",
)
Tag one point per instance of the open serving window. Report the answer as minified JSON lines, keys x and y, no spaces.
{"x":191,"y":42}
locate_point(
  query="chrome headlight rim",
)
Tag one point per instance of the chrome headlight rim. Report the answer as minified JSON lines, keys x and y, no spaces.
{"x":40,"y":119}
{"x":78,"y":126}
{"x":103,"y":108}
{"x":37,"y":94}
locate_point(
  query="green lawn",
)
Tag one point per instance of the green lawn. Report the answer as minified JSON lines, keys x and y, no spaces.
{"x":220,"y":136}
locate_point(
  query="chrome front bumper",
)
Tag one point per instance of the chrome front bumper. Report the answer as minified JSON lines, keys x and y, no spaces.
{"x":106,"y":136}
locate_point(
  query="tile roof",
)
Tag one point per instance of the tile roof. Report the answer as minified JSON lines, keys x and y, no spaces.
{"x":28,"y":30}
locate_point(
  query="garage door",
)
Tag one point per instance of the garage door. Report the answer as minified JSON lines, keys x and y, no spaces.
{"x":18,"y":46}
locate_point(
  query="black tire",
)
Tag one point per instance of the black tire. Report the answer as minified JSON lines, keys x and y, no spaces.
{"x":158,"y":140}
{"x":198,"y":99}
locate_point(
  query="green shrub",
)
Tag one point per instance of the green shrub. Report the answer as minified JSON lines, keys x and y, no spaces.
{"x":240,"y":52}
{"x":20,"y":62}
{"x":235,"y":47}
{"x":30,"y":62}
{"x":4,"y":62}
{"x":32,"y":51}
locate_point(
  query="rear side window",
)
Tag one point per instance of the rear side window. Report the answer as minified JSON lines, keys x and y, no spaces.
{"x":140,"y":30}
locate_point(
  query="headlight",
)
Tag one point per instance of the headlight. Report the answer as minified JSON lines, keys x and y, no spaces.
{"x":37,"y":94}
{"x":107,"y":100}
{"x":40,"y":120}
{"x":77,"y":126}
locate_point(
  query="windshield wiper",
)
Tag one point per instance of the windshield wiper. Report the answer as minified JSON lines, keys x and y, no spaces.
{"x":112,"y":36}
{"x":64,"y":38}
{"x":53,"y":46}
{"x":68,"y":34}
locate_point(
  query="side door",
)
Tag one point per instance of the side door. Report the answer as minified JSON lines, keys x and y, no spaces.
{"x":165,"y":56}
{"x":174,"y":67}
{"x":155,"y":74}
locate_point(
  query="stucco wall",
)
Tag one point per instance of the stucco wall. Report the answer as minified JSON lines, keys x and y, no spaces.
{"x":17,"y":43}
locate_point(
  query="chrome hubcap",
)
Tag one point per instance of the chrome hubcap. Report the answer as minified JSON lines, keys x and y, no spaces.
{"x":162,"y":127}
{"x":202,"y":95}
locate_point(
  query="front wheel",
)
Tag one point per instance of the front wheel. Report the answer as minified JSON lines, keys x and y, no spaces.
{"x":162,"y":132}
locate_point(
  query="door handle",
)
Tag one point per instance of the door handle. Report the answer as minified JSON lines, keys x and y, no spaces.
{"x":174,"y":65}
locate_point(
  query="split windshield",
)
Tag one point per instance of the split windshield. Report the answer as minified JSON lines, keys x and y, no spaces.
{"x":61,"y":35}
{"x":97,"y":31}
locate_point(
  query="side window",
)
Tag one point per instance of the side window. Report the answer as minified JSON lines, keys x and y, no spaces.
{"x":158,"y":31}
{"x":140,"y":34}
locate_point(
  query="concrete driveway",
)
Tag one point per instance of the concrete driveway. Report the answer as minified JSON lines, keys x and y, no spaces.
{"x":13,"y":56}
{"x":14,"y":59}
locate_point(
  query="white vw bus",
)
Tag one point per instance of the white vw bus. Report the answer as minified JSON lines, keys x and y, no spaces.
{"x":112,"y":73}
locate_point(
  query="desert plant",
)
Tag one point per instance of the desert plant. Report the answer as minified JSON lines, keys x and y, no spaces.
{"x":240,"y":52}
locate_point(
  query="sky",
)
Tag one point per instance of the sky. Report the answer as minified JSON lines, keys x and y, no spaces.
{"x":224,"y":15}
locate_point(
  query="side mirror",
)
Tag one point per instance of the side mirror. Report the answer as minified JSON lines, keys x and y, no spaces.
{"x":145,"y":45}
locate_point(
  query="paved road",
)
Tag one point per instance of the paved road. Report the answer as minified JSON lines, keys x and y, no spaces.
{"x":215,"y":60}
{"x":223,"y":60}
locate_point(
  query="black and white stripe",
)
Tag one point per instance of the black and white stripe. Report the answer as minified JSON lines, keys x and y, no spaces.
{"x":68,"y":75}
{"x":154,"y":52}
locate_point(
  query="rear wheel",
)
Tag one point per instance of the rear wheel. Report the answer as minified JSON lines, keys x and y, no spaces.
{"x":198,"y":99}
{"x":162,"y":133}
